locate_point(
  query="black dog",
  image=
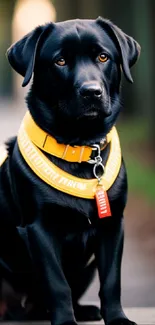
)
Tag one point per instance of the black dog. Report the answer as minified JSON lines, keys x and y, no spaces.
{"x":47,"y":237}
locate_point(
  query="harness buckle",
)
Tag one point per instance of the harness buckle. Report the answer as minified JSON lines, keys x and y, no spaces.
{"x":98,"y":169}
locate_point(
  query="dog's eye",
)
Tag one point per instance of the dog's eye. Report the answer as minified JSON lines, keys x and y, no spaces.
{"x":103,"y":57}
{"x":61,"y":62}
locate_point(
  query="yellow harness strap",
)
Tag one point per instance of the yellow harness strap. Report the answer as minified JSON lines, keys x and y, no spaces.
{"x":47,"y":143}
{"x":3,"y":154}
{"x":61,"y":180}
{"x":56,"y":177}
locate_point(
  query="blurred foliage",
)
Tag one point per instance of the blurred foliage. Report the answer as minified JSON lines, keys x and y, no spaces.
{"x":134,"y":142}
{"x":140,"y":178}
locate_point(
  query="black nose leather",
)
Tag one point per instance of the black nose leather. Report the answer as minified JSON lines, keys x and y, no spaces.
{"x":93,"y":90}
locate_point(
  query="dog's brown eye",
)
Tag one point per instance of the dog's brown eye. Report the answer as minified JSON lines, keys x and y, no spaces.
{"x":102,"y":57}
{"x":61,"y":62}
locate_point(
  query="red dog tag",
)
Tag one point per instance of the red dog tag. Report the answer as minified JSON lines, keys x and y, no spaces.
{"x":102,"y":203}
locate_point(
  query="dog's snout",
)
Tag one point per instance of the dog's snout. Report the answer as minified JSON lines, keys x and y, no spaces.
{"x":91,"y":90}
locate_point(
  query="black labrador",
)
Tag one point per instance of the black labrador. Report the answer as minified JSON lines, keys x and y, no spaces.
{"x":46,"y":237}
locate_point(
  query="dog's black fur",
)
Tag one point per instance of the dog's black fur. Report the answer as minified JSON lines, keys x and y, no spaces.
{"x":46,"y":238}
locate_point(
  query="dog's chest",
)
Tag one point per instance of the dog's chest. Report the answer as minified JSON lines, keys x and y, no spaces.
{"x":54,"y":205}
{"x":68,"y":207}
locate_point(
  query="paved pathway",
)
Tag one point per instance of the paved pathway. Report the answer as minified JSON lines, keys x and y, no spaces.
{"x":142,"y":316}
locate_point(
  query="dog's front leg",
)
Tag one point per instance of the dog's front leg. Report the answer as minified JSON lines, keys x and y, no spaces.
{"x":46,"y":249}
{"x":109,"y":247}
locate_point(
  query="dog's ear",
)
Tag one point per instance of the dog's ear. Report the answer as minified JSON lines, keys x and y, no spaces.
{"x":128,"y":47}
{"x":22,"y":54}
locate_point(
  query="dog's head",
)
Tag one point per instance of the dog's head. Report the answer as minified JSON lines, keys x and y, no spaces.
{"x":77,"y":68}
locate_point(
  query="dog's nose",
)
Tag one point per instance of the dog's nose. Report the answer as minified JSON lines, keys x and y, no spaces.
{"x":91,"y":90}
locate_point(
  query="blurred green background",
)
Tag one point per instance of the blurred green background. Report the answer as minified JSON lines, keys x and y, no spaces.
{"x":135,"y":124}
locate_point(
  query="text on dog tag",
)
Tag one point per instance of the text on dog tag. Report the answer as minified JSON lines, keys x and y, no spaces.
{"x":102,"y":203}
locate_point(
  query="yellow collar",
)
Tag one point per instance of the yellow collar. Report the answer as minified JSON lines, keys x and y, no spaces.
{"x":47,"y":143}
{"x":59,"y":179}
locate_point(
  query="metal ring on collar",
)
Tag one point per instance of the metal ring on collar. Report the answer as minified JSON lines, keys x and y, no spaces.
{"x":101,"y":172}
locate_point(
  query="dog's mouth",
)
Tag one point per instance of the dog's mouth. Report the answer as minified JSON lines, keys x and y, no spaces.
{"x":91,"y":113}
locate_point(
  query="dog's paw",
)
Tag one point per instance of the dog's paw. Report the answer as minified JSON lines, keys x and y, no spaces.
{"x":121,"y":321}
{"x":87,"y":313}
